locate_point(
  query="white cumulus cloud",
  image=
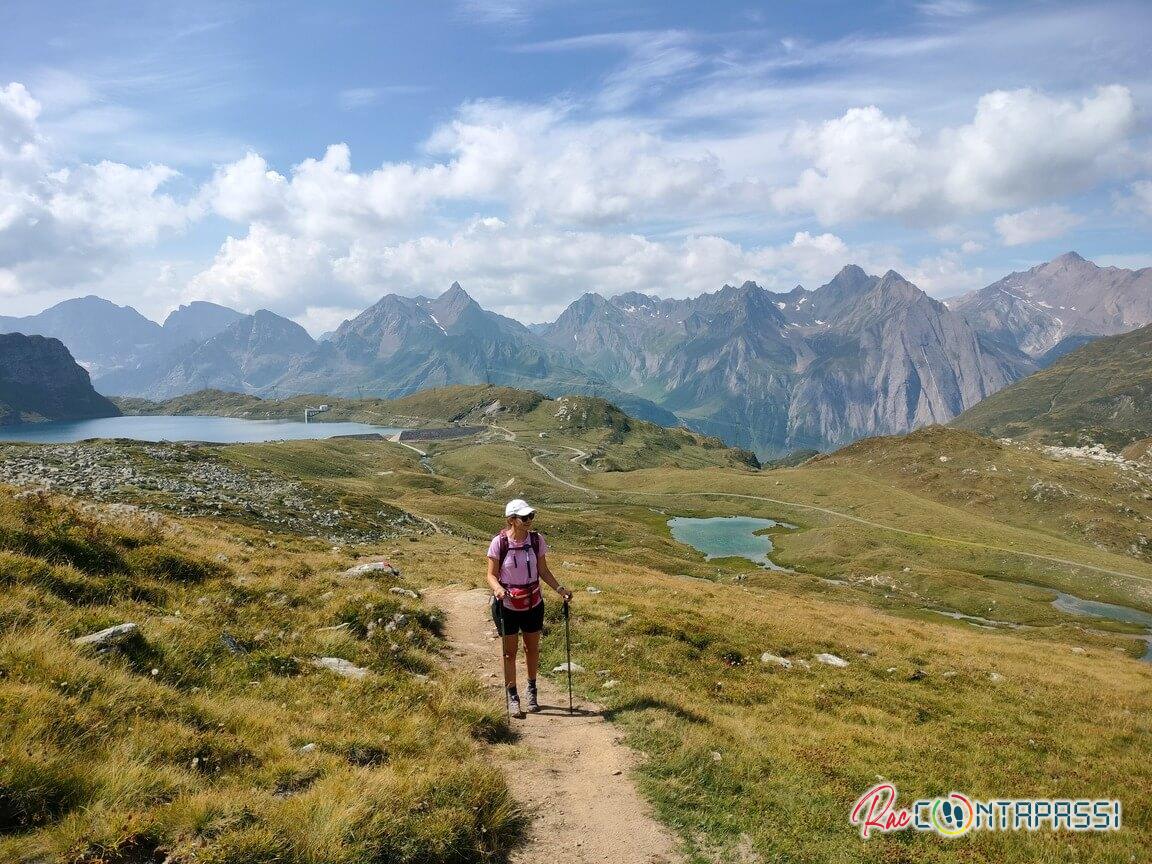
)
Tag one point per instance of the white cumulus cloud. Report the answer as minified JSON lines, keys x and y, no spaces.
{"x":1035,"y":224}
{"x":1021,"y":148}
{"x":62,"y":225}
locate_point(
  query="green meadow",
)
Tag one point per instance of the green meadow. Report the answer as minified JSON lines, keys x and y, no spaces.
{"x":210,"y":757}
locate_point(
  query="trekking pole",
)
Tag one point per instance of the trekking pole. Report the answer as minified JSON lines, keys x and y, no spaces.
{"x":568,"y":653}
{"x":498,"y":614}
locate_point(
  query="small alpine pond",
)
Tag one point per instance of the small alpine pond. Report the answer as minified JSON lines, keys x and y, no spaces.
{"x":728,"y":537}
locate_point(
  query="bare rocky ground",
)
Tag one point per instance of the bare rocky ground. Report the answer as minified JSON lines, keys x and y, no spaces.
{"x":191,"y":480}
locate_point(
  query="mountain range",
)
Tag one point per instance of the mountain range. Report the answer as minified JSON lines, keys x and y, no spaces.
{"x":768,"y":371}
{"x":1055,"y":307}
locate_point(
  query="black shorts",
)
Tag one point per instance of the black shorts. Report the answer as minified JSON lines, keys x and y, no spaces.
{"x":528,"y":621}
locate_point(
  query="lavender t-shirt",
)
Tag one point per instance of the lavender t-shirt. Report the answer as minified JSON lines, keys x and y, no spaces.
{"x":515,"y":571}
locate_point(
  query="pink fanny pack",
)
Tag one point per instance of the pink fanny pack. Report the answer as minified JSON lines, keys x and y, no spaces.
{"x":522,"y":598}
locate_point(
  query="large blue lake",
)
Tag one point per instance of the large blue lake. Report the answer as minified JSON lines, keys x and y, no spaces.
{"x":217,"y":430}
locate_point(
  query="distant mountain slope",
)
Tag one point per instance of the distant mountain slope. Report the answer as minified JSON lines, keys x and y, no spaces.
{"x":1102,"y":392}
{"x":775,"y":372}
{"x":1015,"y":483}
{"x":248,"y":356}
{"x":198,"y":322}
{"x":39,"y":380}
{"x":1056,"y":307}
{"x":100,"y":335}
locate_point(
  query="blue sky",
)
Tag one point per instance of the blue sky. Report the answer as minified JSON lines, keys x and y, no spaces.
{"x":309,"y":158}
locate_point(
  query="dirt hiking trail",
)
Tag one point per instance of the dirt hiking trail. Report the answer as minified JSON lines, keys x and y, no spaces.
{"x":570,"y":773}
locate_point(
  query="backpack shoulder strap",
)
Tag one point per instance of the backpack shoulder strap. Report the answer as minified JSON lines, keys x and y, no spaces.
{"x":534,"y":541}
{"x":502,"y":547}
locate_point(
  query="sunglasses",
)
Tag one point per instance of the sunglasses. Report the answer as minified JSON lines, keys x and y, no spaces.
{"x":527,"y":518}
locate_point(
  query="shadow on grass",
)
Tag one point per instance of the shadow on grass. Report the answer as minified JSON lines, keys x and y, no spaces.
{"x":647,"y":703}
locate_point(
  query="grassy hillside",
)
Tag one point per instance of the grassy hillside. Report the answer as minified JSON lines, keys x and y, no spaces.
{"x":1022,"y":484}
{"x":209,"y":736}
{"x":747,"y":760}
{"x":1100,"y":393}
{"x":577,"y":419}
{"x":439,"y":405}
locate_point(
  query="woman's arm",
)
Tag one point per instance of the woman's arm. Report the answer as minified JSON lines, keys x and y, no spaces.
{"x":493,"y":578}
{"x":546,"y":575}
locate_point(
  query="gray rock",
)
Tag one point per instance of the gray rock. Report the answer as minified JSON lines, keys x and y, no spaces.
{"x":564,"y":667}
{"x":372,"y":567}
{"x":831,"y":660}
{"x":339,"y":666}
{"x":109,"y":637}
{"x":774,"y":659}
{"x":405,"y":592}
{"x":231,"y":644}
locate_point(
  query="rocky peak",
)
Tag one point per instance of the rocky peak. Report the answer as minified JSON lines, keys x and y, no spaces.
{"x":456,"y":308}
{"x":268,"y":332}
{"x":39,"y":380}
{"x":198,"y":321}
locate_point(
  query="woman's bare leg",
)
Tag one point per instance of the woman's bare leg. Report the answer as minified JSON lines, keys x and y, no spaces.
{"x":510,"y":648}
{"x":532,"y":653}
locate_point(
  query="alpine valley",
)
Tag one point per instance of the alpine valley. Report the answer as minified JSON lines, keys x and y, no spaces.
{"x":769,"y":371}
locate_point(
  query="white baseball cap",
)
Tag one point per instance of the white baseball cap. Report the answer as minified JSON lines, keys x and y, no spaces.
{"x":518,"y":507}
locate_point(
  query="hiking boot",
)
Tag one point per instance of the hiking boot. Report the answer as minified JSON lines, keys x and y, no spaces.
{"x":533,"y":702}
{"x":514,"y":706}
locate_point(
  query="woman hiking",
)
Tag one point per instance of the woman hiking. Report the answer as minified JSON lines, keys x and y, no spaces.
{"x":517,"y":563}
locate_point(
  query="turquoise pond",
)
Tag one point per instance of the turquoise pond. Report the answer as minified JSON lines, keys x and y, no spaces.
{"x":215,"y":430}
{"x":1095,"y":609}
{"x":727,"y":537}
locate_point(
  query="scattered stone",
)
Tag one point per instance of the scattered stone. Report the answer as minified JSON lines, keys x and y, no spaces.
{"x":1076,"y":649}
{"x":307,"y":748}
{"x":405,"y":592}
{"x":592,"y":590}
{"x":918,"y":675}
{"x":108,"y":638}
{"x":231,"y":644}
{"x":340,"y":667}
{"x":568,"y":667}
{"x":372,"y":567}
{"x":775,"y":659}
{"x":831,"y":660}
{"x":617,"y":773}
{"x":716,"y":757}
{"x":608,"y":685}
{"x":995,"y":677}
